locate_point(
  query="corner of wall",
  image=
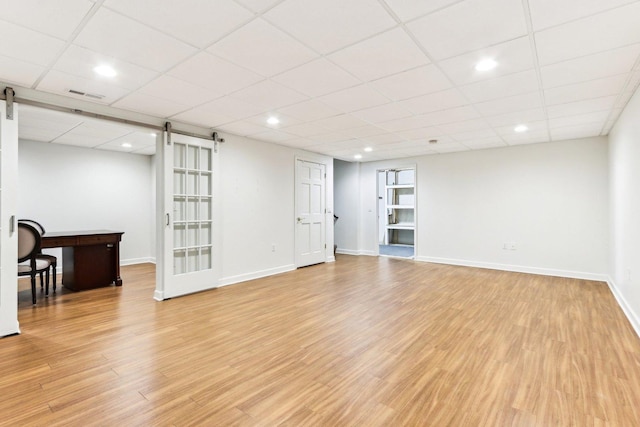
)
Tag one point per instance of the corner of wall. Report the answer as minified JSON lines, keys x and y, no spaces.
{"x":633,"y":317}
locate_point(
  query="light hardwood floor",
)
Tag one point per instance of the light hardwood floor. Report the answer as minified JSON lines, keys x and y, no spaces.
{"x":360,"y":342}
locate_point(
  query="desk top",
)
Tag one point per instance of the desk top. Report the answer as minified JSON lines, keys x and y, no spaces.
{"x":80,"y":238}
{"x":79,"y":233}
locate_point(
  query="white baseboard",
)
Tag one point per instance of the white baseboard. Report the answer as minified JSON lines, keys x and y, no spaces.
{"x":158,"y":295}
{"x":633,"y":318}
{"x":10,"y":330}
{"x":225,"y":281}
{"x":331,"y":259}
{"x":517,"y":268}
{"x":132,"y":261}
{"x":347,"y":252}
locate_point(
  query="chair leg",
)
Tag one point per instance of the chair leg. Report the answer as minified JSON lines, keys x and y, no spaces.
{"x":33,"y":288}
{"x":41,"y":281}
{"x":46,"y":288}
{"x":55,"y":273}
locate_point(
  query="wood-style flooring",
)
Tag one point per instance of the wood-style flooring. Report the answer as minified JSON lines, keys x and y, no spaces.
{"x":363,"y":341}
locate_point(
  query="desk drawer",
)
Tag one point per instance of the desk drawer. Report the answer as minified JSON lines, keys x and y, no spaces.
{"x":57,"y":242}
{"x":97,"y":240}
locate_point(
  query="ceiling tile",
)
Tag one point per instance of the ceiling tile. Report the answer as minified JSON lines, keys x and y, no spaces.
{"x":19,"y":72}
{"x":284,"y":120}
{"x":581,"y":107}
{"x":92,"y":133}
{"x":263,"y":49}
{"x":335,"y":24}
{"x":309,"y":110}
{"x":474,"y":135}
{"x":114,"y":35}
{"x":233,"y":108}
{"x":512,"y":103}
{"x":597,"y":118}
{"x":27,"y":45}
{"x":452,"y":147}
{"x":364,"y":131}
{"x":341,"y":122}
{"x":548,"y":13}
{"x":385,"y":138}
{"x":317,"y":78}
{"x":383,"y":113}
{"x":354,"y":98}
{"x":176,"y":90}
{"x":136,"y":140}
{"x":58,"y":82}
{"x":604,"y":64}
{"x":273,"y":135}
{"x":512,"y":56}
{"x":409,"y":84}
{"x":297,"y":142}
{"x":196,"y":22}
{"x":410,"y":9}
{"x":425,"y":134}
{"x":469,"y":25}
{"x":57,"y":18}
{"x":207,"y":115}
{"x":578,"y":131}
{"x":592,"y":89}
{"x":514,"y":118}
{"x":150,"y":105}
{"x":214,"y":73}
{"x":607,"y":30}
{"x":459,"y":114}
{"x":242,"y":128}
{"x":512,"y":84}
{"x":269,"y":95}
{"x":259,"y":5}
{"x":36,"y":133}
{"x":306,"y":130}
{"x":534,"y":127}
{"x":468,"y":126}
{"x":442,"y":100}
{"x":78,"y":61}
{"x":388,"y":53}
{"x":481,"y":144}
{"x":527,"y":139}
{"x":49,"y":119}
{"x":148,"y":151}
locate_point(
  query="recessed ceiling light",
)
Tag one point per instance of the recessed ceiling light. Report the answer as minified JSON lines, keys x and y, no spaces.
{"x":105,"y":70}
{"x":357,"y":156}
{"x":273,"y":120}
{"x":521,"y":128}
{"x":486,"y":65}
{"x":126,"y":145}
{"x":368,"y":149}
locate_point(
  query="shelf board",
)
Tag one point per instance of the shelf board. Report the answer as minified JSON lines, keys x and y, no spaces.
{"x":401,"y":226}
{"x":401,"y":186}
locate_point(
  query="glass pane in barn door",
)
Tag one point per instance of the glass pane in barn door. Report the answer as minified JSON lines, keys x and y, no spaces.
{"x":190,"y":246}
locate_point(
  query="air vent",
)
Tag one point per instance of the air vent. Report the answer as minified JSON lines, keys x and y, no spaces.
{"x":88,"y":95}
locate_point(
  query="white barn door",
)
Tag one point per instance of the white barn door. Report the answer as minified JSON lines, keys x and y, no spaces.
{"x":310,"y":213}
{"x":190,"y":243}
{"x":8,"y":232}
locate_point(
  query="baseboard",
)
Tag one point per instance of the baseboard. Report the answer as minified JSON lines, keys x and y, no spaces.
{"x":517,"y":268}
{"x":132,"y":261}
{"x":347,"y":252}
{"x":225,"y":281}
{"x":633,"y":318}
{"x":331,"y":259}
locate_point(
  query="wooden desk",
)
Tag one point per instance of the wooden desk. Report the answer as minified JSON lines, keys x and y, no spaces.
{"x":91,"y":259}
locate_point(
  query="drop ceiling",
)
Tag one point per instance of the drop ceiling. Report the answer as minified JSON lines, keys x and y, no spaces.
{"x":339,"y":75}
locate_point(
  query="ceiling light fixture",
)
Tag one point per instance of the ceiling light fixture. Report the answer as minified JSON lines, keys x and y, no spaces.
{"x":126,"y":145}
{"x":357,"y":156}
{"x":521,"y":128}
{"x":486,"y":65}
{"x":105,"y":70}
{"x":273,"y":120}
{"x":368,"y":149}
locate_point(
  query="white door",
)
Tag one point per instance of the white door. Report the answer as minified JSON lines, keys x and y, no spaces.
{"x":190,"y":241}
{"x":310,"y":213}
{"x":8,"y":235}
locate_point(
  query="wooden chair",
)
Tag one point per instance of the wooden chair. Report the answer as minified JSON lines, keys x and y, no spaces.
{"x":50,"y":258}
{"x":29,"y":241}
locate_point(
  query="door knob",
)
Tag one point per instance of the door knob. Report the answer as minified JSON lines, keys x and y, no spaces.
{"x":299,"y":219}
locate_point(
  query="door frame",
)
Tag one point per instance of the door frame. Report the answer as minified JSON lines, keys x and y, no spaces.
{"x":328,"y":203}
{"x":413,"y":166}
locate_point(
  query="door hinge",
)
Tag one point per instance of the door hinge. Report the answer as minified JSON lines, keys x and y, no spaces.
{"x":325,"y":246}
{"x":9,"y":93}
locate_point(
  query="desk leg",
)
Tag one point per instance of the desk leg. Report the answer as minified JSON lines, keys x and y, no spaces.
{"x":117,"y":266}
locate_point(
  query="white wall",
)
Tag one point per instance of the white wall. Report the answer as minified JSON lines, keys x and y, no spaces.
{"x":624,"y":169}
{"x":550,"y":199}
{"x":257,"y":186}
{"x":69,"y":188}
{"x":346,"y":199}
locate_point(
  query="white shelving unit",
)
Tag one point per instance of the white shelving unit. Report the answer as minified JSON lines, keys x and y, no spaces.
{"x":400,"y":207}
